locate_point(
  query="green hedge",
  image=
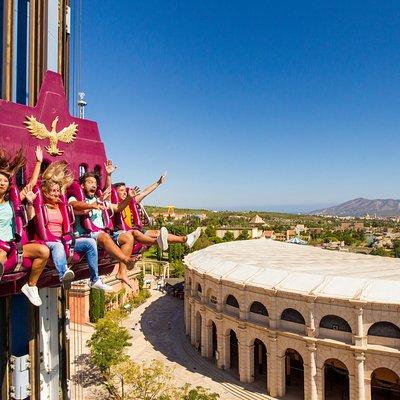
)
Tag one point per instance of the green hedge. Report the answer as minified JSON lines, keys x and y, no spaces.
{"x":96,"y":305}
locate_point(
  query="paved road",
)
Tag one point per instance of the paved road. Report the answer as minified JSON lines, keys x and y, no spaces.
{"x":160,"y":334}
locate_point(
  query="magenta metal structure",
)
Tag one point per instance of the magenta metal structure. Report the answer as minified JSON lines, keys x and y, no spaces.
{"x":85,"y":153}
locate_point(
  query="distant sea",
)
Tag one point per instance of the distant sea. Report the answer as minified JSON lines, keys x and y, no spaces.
{"x":288,"y":208}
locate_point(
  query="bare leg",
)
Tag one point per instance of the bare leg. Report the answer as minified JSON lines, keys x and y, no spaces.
{"x":126,"y":242}
{"x":141,"y":238}
{"x":39,"y":254}
{"x":111,"y":248}
{"x":171,"y":238}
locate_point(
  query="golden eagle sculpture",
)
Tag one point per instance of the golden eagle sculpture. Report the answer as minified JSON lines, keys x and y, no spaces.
{"x":39,"y":130}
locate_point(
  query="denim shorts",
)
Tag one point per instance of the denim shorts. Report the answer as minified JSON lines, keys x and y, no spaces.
{"x":114,"y":235}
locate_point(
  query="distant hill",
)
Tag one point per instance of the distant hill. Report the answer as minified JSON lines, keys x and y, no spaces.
{"x":360,"y":207}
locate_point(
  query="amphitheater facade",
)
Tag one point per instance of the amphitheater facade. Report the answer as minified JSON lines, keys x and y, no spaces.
{"x":297,"y":320}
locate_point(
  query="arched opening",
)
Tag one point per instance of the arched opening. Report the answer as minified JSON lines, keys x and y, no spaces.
{"x":292,"y":315}
{"x":385,"y":385}
{"x":259,"y":308}
{"x":214,"y":341}
{"x":82,"y":169}
{"x":198,"y":331}
{"x":231,"y":301}
{"x":384,"y":329}
{"x":335,"y":323}
{"x":336,"y":379}
{"x":294,"y":374}
{"x":260,"y":363}
{"x":199,"y":288}
{"x":233,"y":352}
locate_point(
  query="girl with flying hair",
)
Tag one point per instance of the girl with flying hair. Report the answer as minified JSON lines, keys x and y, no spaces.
{"x":38,"y":253}
{"x":55,"y":180}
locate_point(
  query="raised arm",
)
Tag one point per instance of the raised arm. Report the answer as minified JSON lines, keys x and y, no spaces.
{"x":150,"y":189}
{"x":83,"y":206}
{"x":36,"y":170}
{"x":110,"y":168}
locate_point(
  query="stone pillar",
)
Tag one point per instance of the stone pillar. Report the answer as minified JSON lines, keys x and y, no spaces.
{"x":192,"y":325}
{"x":223,"y":360}
{"x":152,"y":269}
{"x":272,"y":366}
{"x":246,"y":362}
{"x":311,"y":320}
{"x":367,"y":388}
{"x":187,"y":315}
{"x":311,"y":373}
{"x":360,"y":339}
{"x":204,"y":336}
{"x":360,"y":376}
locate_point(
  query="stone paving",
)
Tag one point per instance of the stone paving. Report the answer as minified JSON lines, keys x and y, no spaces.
{"x":157,"y":329}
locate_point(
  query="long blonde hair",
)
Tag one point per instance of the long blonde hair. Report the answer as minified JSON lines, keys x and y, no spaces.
{"x":57,"y":173}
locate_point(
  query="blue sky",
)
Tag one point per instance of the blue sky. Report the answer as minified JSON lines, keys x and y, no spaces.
{"x":258,"y":105}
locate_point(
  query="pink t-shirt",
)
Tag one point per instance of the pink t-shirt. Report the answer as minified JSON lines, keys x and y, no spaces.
{"x":55,"y":221}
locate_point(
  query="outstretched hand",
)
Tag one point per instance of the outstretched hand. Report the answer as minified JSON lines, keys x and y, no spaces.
{"x":39,"y":154}
{"x":28,"y":194}
{"x":133,"y":192}
{"x":161,"y":179}
{"x":110,"y":167}
{"x":106,"y":194}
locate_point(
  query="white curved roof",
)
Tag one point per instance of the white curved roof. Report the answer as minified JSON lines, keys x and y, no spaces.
{"x":301,"y":269}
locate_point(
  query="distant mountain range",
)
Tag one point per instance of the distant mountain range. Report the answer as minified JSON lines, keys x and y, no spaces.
{"x":360,"y":207}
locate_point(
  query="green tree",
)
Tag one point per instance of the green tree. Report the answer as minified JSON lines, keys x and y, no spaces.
{"x":228,"y":237}
{"x":244,"y":235}
{"x":108,"y":342}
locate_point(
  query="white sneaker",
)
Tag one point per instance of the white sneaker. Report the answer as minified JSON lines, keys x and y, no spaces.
{"x":32,"y":293}
{"x":192,"y":237}
{"x":99,"y":284}
{"x":67,"y":278}
{"x":162,"y":240}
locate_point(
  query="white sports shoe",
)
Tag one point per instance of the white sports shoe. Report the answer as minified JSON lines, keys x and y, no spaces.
{"x":99,"y":284}
{"x":67,"y":278}
{"x":162,"y":240}
{"x":192,"y":237}
{"x":32,"y":293}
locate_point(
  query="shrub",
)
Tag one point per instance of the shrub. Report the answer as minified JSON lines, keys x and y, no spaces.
{"x":96,"y":305}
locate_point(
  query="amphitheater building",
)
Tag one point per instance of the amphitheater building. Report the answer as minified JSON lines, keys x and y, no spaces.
{"x":297,"y":321}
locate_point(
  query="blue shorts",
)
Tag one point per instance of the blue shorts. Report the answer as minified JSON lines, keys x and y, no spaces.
{"x":114,"y":235}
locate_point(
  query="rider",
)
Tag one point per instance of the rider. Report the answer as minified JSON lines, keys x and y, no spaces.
{"x":38,"y":253}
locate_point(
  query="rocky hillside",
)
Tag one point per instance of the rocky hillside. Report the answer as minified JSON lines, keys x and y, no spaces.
{"x":360,"y":207}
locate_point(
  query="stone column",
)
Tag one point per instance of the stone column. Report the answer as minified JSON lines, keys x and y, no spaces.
{"x":204,"y":336}
{"x":312,"y":373}
{"x":360,"y":339}
{"x":360,"y":376}
{"x":223,"y":360}
{"x":187,"y":315}
{"x":192,"y":325}
{"x":272,"y":366}
{"x":367,"y":388}
{"x":246,"y":362}
{"x":311,"y":320}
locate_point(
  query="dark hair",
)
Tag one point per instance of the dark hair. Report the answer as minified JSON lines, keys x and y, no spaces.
{"x":86,"y":175}
{"x":119,"y":184}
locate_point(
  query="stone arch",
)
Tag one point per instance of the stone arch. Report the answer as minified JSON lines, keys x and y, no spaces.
{"x":233,"y":352}
{"x":259,"y":369}
{"x":384,"y":329}
{"x":336,"y":380}
{"x":212,"y":342}
{"x":385,"y":384}
{"x":292,"y":315}
{"x":199,"y":289}
{"x":232,"y":301}
{"x":198,"y":326}
{"x":257,"y":307}
{"x":294,"y":372}
{"x":335,"y":322}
